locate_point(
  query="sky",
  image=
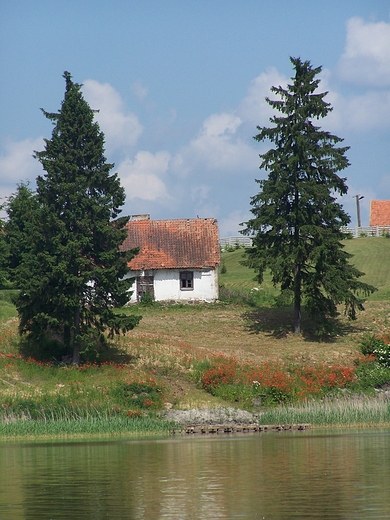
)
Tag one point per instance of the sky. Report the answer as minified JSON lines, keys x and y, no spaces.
{"x":180,"y":87}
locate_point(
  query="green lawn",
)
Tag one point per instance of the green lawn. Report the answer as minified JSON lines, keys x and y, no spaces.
{"x":7,"y":308}
{"x":371,"y":256}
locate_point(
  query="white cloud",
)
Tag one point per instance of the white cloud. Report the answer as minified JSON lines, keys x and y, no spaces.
{"x":253,"y":108}
{"x":220,"y":124}
{"x":142,"y":177}
{"x":121,"y":127}
{"x":217,"y":147}
{"x":230,"y":225}
{"x":358,"y":113}
{"x":366,"y":57}
{"x":17,"y":162}
{"x":200,"y":192}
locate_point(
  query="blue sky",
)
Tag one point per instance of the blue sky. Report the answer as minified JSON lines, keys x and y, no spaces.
{"x":181,"y":86}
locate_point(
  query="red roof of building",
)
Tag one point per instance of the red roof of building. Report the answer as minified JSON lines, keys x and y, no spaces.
{"x":380,"y":213}
{"x":173,"y":244}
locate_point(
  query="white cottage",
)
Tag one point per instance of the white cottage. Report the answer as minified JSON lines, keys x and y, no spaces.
{"x":177,"y":261}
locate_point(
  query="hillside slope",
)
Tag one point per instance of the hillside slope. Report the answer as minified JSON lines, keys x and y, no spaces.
{"x":370,"y":255}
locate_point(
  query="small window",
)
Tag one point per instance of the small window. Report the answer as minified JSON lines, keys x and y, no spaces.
{"x":186,"y":280}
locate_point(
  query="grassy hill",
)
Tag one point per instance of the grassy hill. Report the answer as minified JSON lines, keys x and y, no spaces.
{"x":370,"y":255}
{"x":175,"y":347}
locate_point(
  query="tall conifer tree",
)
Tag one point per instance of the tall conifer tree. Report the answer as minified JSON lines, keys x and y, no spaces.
{"x":73,"y":269}
{"x":296,"y":224}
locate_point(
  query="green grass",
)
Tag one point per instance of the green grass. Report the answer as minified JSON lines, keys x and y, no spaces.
{"x":238,"y":282}
{"x":371,"y":255}
{"x":7,"y":308}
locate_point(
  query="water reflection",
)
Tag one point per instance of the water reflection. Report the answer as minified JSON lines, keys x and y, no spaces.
{"x":270,"y":476}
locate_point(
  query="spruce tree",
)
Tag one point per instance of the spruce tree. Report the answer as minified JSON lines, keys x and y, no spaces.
{"x":71,"y":274}
{"x":19,"y":229}
{"x":297,"y":220}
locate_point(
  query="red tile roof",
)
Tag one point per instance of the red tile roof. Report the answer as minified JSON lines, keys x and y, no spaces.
{"x":169,"y":244}
{"x":380,"y":213}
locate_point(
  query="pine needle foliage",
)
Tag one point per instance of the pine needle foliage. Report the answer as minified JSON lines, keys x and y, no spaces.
{"x":297,"y":220}
{"x":68,"y":266}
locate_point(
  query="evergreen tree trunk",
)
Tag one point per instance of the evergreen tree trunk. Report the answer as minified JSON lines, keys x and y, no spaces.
{"x":76,"y":348}
{"x":297,"y":300}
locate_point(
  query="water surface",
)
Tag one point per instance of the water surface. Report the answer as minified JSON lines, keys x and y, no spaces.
{"x":328,"y":475}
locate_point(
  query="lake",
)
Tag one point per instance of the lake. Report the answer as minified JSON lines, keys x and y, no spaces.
{"x":333,"y":474}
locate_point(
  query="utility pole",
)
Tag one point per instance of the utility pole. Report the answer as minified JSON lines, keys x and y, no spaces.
{"x":358,"y":198}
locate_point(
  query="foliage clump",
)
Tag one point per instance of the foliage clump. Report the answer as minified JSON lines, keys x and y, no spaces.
{"x":378,"y":347}
{"x":139,"y":394}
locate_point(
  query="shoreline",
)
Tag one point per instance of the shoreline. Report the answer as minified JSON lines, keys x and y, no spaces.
{"x":357,"y":411}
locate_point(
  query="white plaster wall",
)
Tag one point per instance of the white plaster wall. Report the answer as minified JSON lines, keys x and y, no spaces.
{"x":167,"y":285}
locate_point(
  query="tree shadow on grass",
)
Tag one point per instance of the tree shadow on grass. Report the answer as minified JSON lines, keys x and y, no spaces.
{"x":51,"y":350}
{"x":277,"y":322}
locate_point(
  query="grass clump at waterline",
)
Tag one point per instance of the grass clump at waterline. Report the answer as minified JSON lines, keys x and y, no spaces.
{"x":92,"y":426}
{"x":361,"y":410}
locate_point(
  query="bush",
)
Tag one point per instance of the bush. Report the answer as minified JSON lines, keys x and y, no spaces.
{"x":371,"y":374}
{"x":377,"y":346}
{"x":139,"y":394}
{"x":147,"y":300}
{"x":237,"y":392}
{"x":260,"y":297}
{"x":270,"y":383}
{"x":224,"y":373}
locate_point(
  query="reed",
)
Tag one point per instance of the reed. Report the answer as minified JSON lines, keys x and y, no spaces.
{"x":85,"y":426}
{"x":348,"y":411}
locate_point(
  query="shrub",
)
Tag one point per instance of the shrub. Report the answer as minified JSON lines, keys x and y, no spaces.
{"x":147,"y":300}
{"x":371,"y":374}
{"x":223,"y":372}
{"x":378,"y":346}
{"x":260,"y":297}
{"x":236,"y":392}
{"x":270,"y":383}
{"x":139,"y":394}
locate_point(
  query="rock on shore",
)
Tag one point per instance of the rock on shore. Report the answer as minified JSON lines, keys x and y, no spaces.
{"x":211,"y":416}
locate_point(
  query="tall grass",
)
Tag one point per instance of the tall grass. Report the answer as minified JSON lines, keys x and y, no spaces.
{"x":87,"y":426}
{"x":348,"y":411}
